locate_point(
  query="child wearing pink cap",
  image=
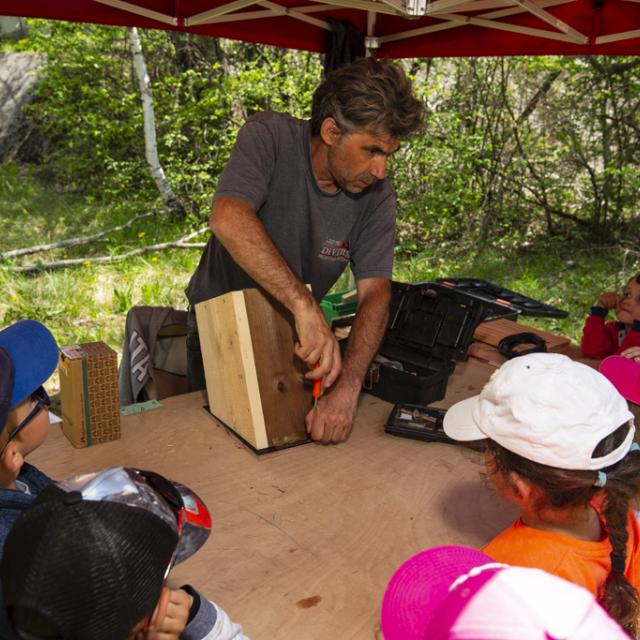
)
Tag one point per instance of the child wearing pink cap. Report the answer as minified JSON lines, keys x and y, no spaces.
{"x":560,"y":446}
{"x":456,"y":593}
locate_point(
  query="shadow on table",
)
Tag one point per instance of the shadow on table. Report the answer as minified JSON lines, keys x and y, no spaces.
{"x":476,"y":510}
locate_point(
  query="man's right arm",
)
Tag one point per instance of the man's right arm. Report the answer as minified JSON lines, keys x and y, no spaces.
{"x":238,"y":228}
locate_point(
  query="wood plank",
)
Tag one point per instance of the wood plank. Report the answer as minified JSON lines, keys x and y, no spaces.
{"x":227,"y":353}
{"x":255,"y":381}
{"x":492,"y":332}
{"x":285,"y":398}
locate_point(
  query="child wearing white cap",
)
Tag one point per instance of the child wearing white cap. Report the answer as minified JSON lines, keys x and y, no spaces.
{"x":560,"y":446}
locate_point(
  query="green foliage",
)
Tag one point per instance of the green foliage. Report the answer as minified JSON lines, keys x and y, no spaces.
{"x":526,"y":175}
{"x":88,"y":302}
{"x":85,"y":105}
{"x":88,"y":105}
{"x":516,"y":148}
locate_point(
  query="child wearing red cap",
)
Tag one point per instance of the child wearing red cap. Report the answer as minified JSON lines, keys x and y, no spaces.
{"x":90,"y":559}
{"x":616,"y":337}
{"x":28,"y":356}
{"x":560,"y":447}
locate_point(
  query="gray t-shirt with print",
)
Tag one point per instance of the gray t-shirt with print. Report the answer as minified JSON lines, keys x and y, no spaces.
{"x":316,"y":232}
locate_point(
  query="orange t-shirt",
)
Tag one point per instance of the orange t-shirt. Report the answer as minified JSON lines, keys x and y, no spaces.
{"x":579,"y":561}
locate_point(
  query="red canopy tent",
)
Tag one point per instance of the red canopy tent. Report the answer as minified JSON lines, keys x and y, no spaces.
{"x":393,"y":28}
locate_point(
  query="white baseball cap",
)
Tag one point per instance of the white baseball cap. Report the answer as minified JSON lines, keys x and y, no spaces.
{"x":546,"y":408}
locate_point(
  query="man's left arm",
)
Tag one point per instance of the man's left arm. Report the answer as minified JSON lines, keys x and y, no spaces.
{"x":332,"y":420}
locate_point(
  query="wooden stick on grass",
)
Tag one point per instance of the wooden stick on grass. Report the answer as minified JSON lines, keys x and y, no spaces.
{"x":181,"y":243}
{"x":70,"y":242}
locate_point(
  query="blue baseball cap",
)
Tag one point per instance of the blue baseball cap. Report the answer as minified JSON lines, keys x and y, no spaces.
{"x":28,"y":356}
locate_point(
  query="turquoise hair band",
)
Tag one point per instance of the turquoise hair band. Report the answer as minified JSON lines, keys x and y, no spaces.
{"x":601,"y":480}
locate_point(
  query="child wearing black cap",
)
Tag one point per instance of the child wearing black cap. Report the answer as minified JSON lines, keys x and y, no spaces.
{"x":28,"y":356}
{"x":89,"y":560}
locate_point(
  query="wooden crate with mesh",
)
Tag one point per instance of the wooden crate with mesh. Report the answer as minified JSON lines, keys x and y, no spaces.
{"x":89,"y":393}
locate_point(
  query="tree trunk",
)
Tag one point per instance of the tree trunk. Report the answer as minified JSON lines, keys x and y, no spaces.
{"x":150,"y":144}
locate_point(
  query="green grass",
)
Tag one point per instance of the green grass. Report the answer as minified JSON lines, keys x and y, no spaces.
{"x":90,"y":302}
{"x":87,"y":302}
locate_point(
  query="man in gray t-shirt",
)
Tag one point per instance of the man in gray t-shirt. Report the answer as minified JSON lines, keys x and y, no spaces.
{"x":296,"y":202}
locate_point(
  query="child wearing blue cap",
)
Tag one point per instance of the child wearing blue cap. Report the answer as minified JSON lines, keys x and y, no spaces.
{"x":28,"y":356}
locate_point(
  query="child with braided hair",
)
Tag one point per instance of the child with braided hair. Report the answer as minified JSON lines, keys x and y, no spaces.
{"x":560,"y":447}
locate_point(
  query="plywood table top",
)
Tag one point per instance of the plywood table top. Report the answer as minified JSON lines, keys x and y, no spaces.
{"x":304,"y":540}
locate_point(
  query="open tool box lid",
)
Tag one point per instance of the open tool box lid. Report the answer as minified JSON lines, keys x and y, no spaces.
{"x":520,"y":303}
{"x":430,"y":322}
{"x":430,"y":329}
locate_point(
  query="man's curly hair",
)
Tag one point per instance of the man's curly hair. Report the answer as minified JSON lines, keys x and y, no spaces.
{"x":368,"y":95}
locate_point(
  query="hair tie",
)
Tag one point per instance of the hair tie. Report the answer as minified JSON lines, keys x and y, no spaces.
{"x":617,"y":563}
{"x":634,"y":447}
{"x":601,"y":480}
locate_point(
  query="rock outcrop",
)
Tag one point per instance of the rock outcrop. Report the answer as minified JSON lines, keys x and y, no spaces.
{"x":18,"y":76}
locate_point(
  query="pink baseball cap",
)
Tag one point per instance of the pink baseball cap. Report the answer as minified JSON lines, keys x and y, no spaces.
{"x":456,"y":593}
{"x":624,"y":375}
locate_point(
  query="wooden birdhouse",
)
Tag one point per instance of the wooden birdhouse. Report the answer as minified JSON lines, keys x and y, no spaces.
{"x":255,"y":382}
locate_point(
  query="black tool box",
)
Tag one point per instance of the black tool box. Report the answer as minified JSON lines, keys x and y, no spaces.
{"x":422,"y":423}
{"x":495,"y":293}
{"x":430,"y":329}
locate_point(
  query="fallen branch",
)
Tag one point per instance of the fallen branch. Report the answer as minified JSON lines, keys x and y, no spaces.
{"x":181,"y":243}
{"x":629,"y":248}
{"x":70,"y":242}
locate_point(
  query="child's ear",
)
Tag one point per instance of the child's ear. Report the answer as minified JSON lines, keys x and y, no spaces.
{"x":521,"y":487}
{"x":11,"y":460}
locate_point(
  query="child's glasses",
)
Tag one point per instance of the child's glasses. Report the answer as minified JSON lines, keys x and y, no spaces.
{"x":42,"y":401}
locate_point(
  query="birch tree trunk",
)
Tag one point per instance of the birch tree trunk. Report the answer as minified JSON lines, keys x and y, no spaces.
{"x":150,"y":144}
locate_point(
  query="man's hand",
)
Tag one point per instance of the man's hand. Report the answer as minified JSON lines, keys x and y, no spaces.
{"x":607,"y":300}
{"x":317,"y":344}
{"x":332,"y":419}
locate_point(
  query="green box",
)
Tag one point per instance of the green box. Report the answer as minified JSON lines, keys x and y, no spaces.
{"x":333,"y":307}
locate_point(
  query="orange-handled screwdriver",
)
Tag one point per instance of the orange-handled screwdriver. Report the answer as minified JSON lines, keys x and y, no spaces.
{"x":317,"y":389}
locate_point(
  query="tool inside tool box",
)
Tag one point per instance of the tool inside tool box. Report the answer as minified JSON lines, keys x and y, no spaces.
{"x":422,"y":423}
